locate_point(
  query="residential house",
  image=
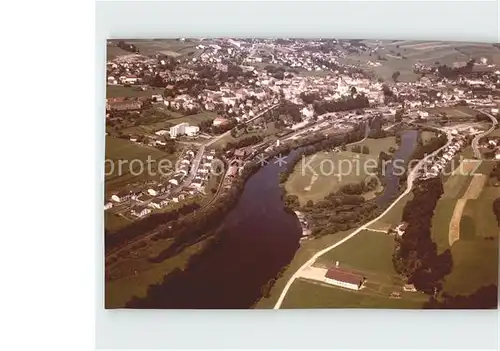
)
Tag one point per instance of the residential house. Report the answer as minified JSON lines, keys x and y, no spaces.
{"x":121,"y":196}
{"x":153,"y":191}
{"x":400,"y":228}
{"x":140,"y":211}
{"x":158,"y":203}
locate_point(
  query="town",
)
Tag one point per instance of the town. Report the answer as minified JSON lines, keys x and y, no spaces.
{"x":210,"y":113}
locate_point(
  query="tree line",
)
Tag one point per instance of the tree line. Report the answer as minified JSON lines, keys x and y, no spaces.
{"x":145,"y":225}
{"x":344,"y":104}
{"x":415,"y":254}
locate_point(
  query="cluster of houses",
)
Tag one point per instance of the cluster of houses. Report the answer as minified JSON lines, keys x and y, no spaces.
{"x":490,"y":147}
{"x":162,"y":194}
{"x":433,"y":166}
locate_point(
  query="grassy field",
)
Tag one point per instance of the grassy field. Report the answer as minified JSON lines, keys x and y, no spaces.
{"x":113,"y":222}
{"x":393,"y":217}
{"x":368,"y":251}
{"x":427,"y":136}
{"x":454,"y":112}
{"x":402,"y":55}
{"x":475,"y":264}
{"x":306,"y":294}
{"x":328,"y":171}
{"x":441,"y":222}
{"x":370,"y":254}
{"x":138,"y":273}
{"x":122,"y":91}
{"x":120,"y":149}
{"x":495,"y":133}
{"x":169,"y":47}
{"x":479,"y":214}
{"x":113,"y":52}
{"x":475,"y":257}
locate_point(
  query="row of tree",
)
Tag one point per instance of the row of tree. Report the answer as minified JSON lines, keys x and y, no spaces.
{"x":344,"y":104}
{"x":415,"y":255}
{"x":145,"y":225}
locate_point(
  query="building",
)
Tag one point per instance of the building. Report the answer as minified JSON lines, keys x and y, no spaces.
{"x":141,"y":211}
{"x":400,"y":228}
{"x":108,"y":205}
{"x":191,"y":130}
{"x":158,"y":203}
{"x":409,"y":288}
{"x":121,"y":196}
{"x":343,"y":278}
{"x":240,"y":153}
{"x":178,"y":129}
{"x":153,"y":191}
{"x":184,"y":129}
{"x":220,"y":121}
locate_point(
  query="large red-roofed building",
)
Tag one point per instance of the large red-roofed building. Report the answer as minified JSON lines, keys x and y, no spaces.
{"x":343,"y":278}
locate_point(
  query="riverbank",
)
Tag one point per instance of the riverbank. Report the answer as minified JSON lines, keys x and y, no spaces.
{"x":306,"y":232}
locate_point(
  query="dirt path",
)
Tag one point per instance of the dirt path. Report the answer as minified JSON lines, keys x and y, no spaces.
{"x":411,"y":177}
{"x":473,"y":191}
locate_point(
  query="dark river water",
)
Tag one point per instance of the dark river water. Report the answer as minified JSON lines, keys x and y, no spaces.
{"x":394,"y":169}
{"x":261,"y":238}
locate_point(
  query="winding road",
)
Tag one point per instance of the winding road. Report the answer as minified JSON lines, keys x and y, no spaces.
{"x":475,"y":141}
{"x":411,"y":178}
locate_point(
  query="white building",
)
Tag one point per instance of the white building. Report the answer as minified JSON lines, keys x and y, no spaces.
{"x":184,"y":129}
{"x":178,"y":129}
{"x":191,"y":130}
{"x":140,"y":211}
{"x":161,"y":132}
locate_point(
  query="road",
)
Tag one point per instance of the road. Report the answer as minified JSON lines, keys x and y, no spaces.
{"x":201,"y":151}
{"x":476,"y":139}
{"x":411,"y":178}
{"x":219,"y":137}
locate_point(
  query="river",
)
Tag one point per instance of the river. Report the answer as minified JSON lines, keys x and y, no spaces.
{"x":393,"y":170}
{"x":260,"y":239}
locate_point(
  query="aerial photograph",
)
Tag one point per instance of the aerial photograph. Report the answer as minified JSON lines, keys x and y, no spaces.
{"x":290,"y":173}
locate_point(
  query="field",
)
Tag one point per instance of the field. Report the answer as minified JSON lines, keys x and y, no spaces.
{"x":475,"y":264}
{"x":113,"y":52}
{"x":465,"y":220}
{"x":113,"y":221}
{"x":120,"y":149}
{"x":427,"y":136}
{"x":402,"y":55}
{"x":122,"y":91}
{"x":454,"y":112}
{"x":495,"y":133}
{"x":137,"y":273}
{"x":325,"y":296}
{"x":367,"y":251}
{"x":369,"y":254}
{"x":325,"y":172}
{"x":169,"y":47}
{"x":393,"y":217}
